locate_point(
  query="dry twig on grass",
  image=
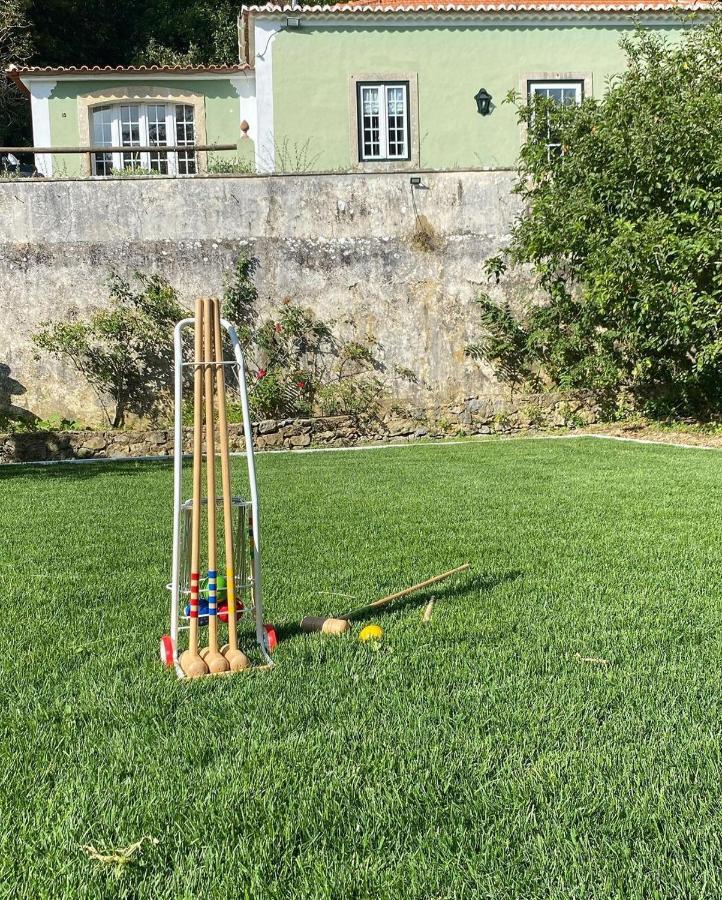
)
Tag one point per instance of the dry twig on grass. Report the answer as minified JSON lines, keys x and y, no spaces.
{"x":594,"y":660}
{"x":120,"y":857}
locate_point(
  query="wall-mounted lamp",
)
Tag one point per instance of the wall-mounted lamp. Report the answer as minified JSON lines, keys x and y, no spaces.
{"x":415,"y":180}
{"x":293,"y":22}
{"x":483,"y":102}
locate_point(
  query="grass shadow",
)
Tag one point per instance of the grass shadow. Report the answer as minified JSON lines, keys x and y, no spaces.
{"x":81,"y":469}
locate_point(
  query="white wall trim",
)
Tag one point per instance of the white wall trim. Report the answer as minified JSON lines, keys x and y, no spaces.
{"x":248,"y":108}
{"x":264,"y":33}
{"x":40,"y":109}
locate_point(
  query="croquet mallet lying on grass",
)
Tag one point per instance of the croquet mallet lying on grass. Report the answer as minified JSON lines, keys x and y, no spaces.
{"x":341,"y":624}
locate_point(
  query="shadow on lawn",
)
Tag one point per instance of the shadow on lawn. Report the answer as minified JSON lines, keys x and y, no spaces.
{"x":464,"y":586}
{"x":81,"y":471}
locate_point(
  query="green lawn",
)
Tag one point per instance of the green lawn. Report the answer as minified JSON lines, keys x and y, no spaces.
{"x":474,"y":756}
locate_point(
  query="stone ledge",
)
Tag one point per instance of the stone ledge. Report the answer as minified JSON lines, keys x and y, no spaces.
{"x":469,"y":416}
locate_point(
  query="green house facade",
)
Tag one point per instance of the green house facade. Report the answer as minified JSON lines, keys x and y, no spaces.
{"x":138,"y":107}
{"x":351,"y":87}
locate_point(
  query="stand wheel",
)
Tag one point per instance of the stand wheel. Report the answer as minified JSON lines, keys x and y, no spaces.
{"x":271,"y":636}
{"x":166,"y":650}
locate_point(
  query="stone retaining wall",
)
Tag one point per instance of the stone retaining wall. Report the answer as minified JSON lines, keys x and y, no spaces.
{"x":345,"y":246}
{"x":475,"y":415}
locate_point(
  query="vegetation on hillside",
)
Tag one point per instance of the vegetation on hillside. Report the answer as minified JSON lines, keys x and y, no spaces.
{"x":15,"y":48}
{"x":622,"y":228}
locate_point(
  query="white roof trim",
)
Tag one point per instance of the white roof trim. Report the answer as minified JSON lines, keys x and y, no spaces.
{"x":458,"y":9}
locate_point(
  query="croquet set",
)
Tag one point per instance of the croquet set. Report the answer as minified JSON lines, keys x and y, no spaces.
{"x":207,"y":608}
{"x":219,"y":599}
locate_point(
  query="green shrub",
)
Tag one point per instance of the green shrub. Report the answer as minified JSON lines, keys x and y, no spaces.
{"x":295,"y":365}
{"x":622,"y":229}
{"x":125,"y":353}
{"x":360,"y":398}
{"x":225,"y":166}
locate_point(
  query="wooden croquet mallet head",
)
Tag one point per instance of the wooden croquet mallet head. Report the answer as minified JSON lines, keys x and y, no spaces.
{"x":323,"y":625}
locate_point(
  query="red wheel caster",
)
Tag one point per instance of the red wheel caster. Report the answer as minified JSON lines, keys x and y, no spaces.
{"x":271,"y":637}
{"x":166,"y":650}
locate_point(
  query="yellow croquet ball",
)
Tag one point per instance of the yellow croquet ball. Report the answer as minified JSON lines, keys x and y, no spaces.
{"x":371,"y":633}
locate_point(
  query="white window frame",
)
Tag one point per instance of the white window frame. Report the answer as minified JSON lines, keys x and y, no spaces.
{"x":144,"y":159}
{"x":535,"y":85}
{"x":383,"y":88}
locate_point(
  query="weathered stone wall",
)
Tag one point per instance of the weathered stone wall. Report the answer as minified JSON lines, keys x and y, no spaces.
{"x":473,"y":416}
{"x":347,"y":246}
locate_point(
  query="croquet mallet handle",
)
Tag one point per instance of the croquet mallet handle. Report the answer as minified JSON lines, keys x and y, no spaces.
{"x":340,"y":624}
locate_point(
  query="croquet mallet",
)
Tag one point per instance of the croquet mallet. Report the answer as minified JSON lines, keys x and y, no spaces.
{"x":237,"y":659}
{"x":190,"y":661}
{"x":341,"y":624}
{"x":214,"y":659}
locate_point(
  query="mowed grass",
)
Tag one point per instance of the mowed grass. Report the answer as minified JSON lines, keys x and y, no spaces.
{"x":473,"y":756}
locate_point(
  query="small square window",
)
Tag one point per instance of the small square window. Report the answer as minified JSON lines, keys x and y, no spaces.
{"x":383,"y":121}
{"x":562,"y":93}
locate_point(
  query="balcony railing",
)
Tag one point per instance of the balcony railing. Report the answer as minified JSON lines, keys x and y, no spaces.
{"x":91,"y":152}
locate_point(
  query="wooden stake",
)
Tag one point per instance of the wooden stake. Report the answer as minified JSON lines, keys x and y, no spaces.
{"x":428,"y":610}
{"x":214,"y":659}
{"x":236,"y":658}
{"x":190,"y":660}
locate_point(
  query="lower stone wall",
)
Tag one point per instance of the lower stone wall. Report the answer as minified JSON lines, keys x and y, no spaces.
{"x":382,"y":260}
{"x":476,"y":415}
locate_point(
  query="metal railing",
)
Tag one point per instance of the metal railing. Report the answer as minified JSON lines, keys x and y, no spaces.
{"x":97,"y":156}
{"x":158,"y":148}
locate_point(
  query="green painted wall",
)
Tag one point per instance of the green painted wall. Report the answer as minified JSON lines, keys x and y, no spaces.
{"x":221,"y":106}
{"x":311,"y":100}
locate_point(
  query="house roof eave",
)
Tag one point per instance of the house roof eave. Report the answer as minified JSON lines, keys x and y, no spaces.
{"x":21,"y":75}
{"x":425,"y":9}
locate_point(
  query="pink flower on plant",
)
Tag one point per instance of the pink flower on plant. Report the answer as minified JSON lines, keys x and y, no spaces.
{"x":301,"y":385}
{"x":261,"y":373}
{"x":278,"y":327}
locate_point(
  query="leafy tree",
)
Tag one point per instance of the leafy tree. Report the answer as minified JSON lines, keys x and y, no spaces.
{"x":622,"y":227}
{"x":101,"y":32}
{"x":126,"y":352}
{"x":15,"y":47}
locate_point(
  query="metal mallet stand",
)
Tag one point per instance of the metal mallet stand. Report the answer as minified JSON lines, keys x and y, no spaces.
{"x":247,"y":530}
